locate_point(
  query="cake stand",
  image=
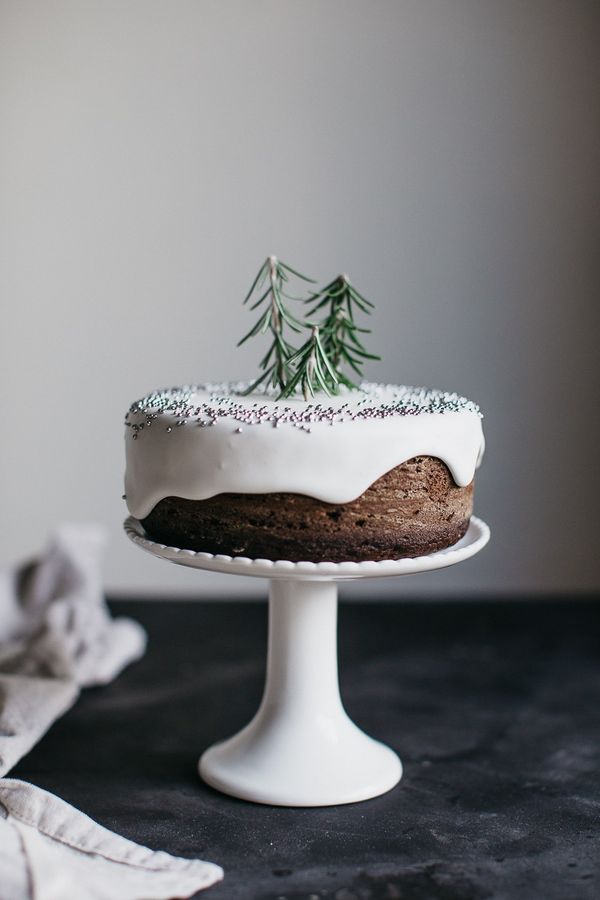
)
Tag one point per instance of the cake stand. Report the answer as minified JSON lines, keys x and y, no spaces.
{"x":301,"y":748}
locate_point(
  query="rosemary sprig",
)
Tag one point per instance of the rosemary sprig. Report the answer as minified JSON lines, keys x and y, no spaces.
{"x":276,"y":362}
{"x":313,"y":369}
{"x":339,"y":331}
{"x":333,"y":343}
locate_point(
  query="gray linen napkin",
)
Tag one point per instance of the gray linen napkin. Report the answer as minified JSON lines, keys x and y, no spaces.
{"x":57,"y":636}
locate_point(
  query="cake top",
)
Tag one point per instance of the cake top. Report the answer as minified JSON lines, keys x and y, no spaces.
{"x":205,"y":404}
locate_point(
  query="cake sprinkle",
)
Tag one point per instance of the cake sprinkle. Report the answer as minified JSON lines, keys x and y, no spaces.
{"x":225,"y":401}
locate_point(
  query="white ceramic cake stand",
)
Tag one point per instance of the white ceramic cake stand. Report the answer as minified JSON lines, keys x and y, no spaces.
{"x":301,"y":748}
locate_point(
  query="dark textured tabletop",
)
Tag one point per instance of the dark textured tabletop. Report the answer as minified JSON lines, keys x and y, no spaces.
{"x":494,"y":708}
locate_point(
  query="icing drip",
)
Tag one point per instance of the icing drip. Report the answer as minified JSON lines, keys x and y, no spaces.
{"x":199,"y":441}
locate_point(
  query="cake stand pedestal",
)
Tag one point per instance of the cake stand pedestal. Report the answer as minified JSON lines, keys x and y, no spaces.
{"x":301,"y":748}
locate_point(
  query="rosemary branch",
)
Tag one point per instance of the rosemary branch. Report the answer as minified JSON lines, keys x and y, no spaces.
{"x":333,"y":342}
{"x":339,"y":330}
{"x":313,"y":369}
{"x":276,"y":362}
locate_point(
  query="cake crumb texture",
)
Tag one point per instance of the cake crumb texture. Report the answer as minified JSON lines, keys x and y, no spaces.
{"x":413,"y":510}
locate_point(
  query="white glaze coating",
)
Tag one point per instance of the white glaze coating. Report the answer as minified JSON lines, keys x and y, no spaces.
{"x":196,"y":442}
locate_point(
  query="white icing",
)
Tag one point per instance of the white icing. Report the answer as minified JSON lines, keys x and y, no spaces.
{"x":332,"y":449}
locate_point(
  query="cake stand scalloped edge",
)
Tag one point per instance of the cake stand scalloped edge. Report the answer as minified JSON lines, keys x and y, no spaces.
{"x":477,"y":536}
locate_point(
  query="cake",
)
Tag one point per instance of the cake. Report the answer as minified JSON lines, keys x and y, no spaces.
{"x":377,"y":472}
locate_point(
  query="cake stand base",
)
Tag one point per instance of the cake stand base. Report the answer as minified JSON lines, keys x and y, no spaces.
{"x":301,"y":749}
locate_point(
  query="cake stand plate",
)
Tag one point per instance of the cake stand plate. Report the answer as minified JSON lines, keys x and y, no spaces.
{"x":301,"y":748}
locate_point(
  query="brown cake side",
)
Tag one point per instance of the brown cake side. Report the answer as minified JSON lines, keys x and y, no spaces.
{"x":412,"y":510}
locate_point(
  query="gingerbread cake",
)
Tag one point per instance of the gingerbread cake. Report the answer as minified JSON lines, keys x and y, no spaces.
{"x":381,"y":472}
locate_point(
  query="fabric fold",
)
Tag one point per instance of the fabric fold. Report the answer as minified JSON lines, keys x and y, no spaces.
{"x":68,"y":855}
{"x":57,"y":636}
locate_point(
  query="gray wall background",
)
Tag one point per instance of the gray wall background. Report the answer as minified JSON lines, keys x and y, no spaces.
{"x":443,"y":152}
